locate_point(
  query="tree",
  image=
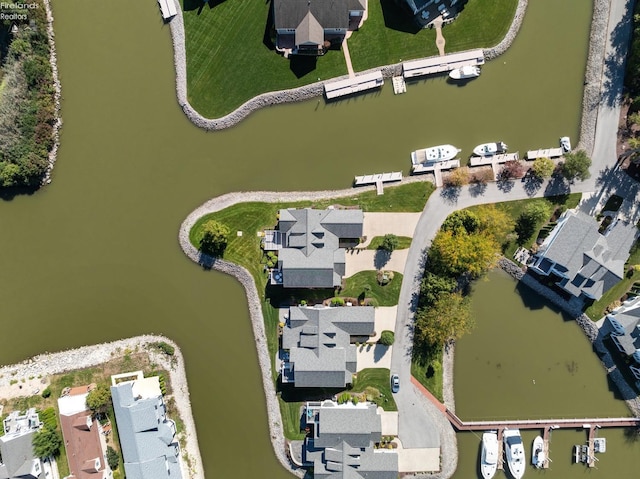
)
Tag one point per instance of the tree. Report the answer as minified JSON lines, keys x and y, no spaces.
{"x":447,"y":320}
{"x":576,"y":166}
{"x":455,"y":255}
{"x":389,"y":242}
{"x":494,"y":222}
{"x":214,"y":238}
{"x":99,"y":399}
{"x":461,"y":220}
{"x":543,"y":167}
{"x":386,"y":338}
{"x":46,"y":442}
{"x":458,"y":177}
{"x":433,"y":286}
{"x":113,"y":458}
{"x":512,"y":169}
{"x":530,"y":219}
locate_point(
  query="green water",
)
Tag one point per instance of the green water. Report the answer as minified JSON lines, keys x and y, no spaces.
{"x":94,"y":256}
{"x":525,"y":360}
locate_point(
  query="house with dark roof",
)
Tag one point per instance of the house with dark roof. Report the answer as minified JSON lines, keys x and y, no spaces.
{"x":83,"y":438}
{"x":311,"y":249}
{"x":17,"y":460}
{"x":319,"y":341}
{"x":585,"y":261}
{"x":625,"y":333}
{"x":147,"y":437}
{"x":310,"y":27}
{"x":340,"y":444}
{"x":426,"y":11}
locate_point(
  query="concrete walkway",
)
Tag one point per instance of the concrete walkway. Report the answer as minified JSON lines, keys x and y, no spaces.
{"x":440,"y":41}
{"x":347,"y":57}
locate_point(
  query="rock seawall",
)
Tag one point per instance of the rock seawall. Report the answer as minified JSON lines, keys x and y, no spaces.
{"x":53,"y":60}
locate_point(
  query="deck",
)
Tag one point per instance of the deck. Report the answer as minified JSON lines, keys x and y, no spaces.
{"x":544,"y":153}
{"x":353,"y":85}
{"x":439,"y":64}
{"x":493,"y":159}
{"x":378,"y":180}
{"x":399,"y":85}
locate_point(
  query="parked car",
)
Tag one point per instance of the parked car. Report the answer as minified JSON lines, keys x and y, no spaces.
{"x":395,"y":383}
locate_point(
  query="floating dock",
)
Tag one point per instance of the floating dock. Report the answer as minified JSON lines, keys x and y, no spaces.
{"x":356,"y":84}
{"x":545,"y":153}
{"x":494,"y":159}
{"x":399,"y":85}
{"x":445,"y":63}
{"x":431,"y":167}
{"x":378,"y":179}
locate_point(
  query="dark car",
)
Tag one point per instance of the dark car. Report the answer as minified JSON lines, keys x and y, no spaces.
{"x":395,"y":383}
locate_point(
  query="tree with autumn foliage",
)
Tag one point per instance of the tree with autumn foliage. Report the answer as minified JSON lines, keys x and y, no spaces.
{"x":459,"y":253}
{"x":448,"y":319}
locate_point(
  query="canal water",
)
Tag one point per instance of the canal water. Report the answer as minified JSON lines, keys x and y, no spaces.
{"x":94,"y":256}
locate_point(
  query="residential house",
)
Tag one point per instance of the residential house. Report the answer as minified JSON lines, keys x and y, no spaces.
{"x":311,"y":246}
{"x":83,"y":437}
{"x":147,"y":436}
{"x":625,"y":333}
{"x":426,"y":11}
{"x":319,"y":341}
{"x":17,"y":460}
{"x":586,"y":262}
{"x":309,"y":27}
{"x":341,"y":439}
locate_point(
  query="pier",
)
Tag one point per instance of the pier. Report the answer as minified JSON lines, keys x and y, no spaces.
{"x":544,"y":153}
{"x":356,"y":84}
{"x":378,"y":179}
{"x":493,"y":159}
{"x":442,"y":64}
{"x":399,"y":85}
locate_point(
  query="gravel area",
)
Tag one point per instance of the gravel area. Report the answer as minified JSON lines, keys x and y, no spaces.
{"x":53,"y":59}
{"x":306,"y":92}
{"x":43,"y":365}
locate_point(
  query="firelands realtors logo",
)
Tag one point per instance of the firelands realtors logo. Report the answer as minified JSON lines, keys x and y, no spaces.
{"x":15,"y":11}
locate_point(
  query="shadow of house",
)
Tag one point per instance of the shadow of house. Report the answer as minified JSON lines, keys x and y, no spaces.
{"x":311,"y":27}
{"x":423,"y":12}
{"x":190,"y":5}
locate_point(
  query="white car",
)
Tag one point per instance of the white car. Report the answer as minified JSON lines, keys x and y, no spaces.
{"x":395,"y":383}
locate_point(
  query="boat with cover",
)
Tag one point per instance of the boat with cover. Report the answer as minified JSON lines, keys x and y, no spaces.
{"x":565,"y":144}
{"x":465,"y":72}
{"x":434,"y":154}
{"x":489,"y":459}
{"x":514,"y":451}
{"x":538,"y":457}
{"x":490,"y":149}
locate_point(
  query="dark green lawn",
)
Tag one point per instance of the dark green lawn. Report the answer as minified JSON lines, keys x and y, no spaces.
{"x":376,"y":382}
{"x":229,"y":61}
{"x":404,"y":242}
{"x":429,"y":374}
{"x":230,"y":55}
{"x":386,"y":295}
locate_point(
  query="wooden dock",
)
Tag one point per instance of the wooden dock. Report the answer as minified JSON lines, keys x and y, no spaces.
{"x":544,"y":153}
{"x":353,"y":85}
{"x":500,"y":449}
{"x":440,"y":64}
{"x":378,"y":179}
{"x":493,"y":159}
{"x":399,"y":85}
{"x":545,"y":447}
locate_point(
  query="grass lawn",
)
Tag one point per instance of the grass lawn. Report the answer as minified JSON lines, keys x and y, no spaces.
{"x":291,"y":419}
{"x":376,"y":383}
{"x":429,"y":373}
{"x":404,"y":242}
{"x":230,"y":57}
{"x":386,"y":295}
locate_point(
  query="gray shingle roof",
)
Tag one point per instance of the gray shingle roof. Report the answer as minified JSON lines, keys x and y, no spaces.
{"x":630,"y":321}
{"x":319,"y":343}
{"x":146,"y":435}
{"x":592,"y":262}
{"x":17,"y":456}
{"x":311,"y":256}
{"x":329,"y":14}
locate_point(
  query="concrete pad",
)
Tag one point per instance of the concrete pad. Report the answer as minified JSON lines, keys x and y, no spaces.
{"x":380,"y":224}
{"x":371,"y":260}
{"x":385,"y":319}
{"x":417,"y":460}
{"x":389,"y":421}
{"x":374,"y":356}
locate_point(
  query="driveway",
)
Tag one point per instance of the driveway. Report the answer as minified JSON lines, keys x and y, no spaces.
{"x":385,"y":319}
{"x":369,"y":259}
{"x":380,"y":224}
{"x":374,"y":356}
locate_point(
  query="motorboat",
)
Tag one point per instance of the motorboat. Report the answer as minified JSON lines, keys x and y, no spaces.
{"x":514,"y":451}
{"x":538,"y":456}
{"x":565,"y":144}
{"x":490,"y":149}
{"x":434,"y":154}
{"x":489,"y":458}
{"x":465,"y":72}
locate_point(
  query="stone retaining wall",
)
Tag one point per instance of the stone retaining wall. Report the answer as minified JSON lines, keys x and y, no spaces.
{"x":53,"y":60}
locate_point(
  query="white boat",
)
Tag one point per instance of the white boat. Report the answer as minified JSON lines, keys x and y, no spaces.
{"x":434,"y":154}
{"x":489,"y":459}
{"x":514,"y":451}
{"x":465,"y":72}
{"x":490,"y":149}
{"x":538,"y":457}
{"x":565,"y":144}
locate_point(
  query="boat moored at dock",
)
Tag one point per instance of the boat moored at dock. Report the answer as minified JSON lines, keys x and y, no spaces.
{"x":465,"y":73}
{"x":565,"y":144}
{"x":435,"y":154}
{"x":489,"y":459}
{"x":514,"y":451}
{"x":538,"y":457}
{"x":490,"y":149}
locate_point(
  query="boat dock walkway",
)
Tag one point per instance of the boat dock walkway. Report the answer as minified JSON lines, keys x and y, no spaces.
{"x":500,"y":449}
{"x":544,"y":153}
{"x":435,"y":168}
{"x":440,"y":64}
{"x":493,"y":159}
{"x":353,"y":85}
{"x":545,"y":447}
{"x":399,"y":85}
{"x":378,"y":179}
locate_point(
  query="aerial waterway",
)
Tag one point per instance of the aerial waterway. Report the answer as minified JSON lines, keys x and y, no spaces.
{"x":93,"y":257}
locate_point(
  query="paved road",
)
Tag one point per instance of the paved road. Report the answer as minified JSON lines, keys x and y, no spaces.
{"x":417,"y":419}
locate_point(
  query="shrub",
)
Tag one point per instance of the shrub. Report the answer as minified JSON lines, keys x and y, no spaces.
{"x":373,"y":302}
{"x":214,"y":238}
{"x":164,"y":347}
{"x":113,"y":458}
{"x":47,"y":392}
{"x":337,"y":301}
{"x":389,"y":242}
{"x":386,"y":338}
{"x":512,"y":169}
{"x":458,"y":177}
